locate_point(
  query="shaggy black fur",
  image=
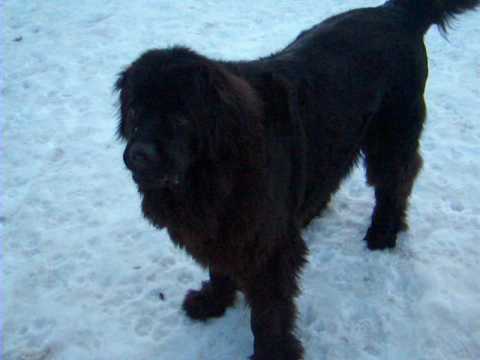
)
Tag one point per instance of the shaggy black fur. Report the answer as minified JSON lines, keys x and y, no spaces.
{"x":235,"y":158}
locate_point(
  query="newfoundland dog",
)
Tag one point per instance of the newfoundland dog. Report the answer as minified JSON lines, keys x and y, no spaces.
{"x":235,"y":158}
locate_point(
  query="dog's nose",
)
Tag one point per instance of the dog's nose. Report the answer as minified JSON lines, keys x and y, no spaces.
{"x":139,"y":156}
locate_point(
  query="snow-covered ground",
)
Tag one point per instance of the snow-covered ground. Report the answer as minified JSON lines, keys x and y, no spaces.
{"x":82,"y":272}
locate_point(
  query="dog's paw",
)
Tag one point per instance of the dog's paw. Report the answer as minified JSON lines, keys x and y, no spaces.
{"x":380,"y":239}
{"x":288,"y":349}
{"x":206,"y":303}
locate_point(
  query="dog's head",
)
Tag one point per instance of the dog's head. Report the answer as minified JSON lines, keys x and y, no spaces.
{"x":178,"y":109}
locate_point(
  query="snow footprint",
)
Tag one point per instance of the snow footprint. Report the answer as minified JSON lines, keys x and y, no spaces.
{"x":44,"y":354}
{"x":456,"y":206}
{"x":167,"y":262}
{"x":166,"y":325}
{"x":185,"y":277}
{"x":36,"y":333}
{"x":143,"y":326}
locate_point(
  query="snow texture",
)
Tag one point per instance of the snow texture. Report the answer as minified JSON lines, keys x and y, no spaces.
{"x":85,"y":277}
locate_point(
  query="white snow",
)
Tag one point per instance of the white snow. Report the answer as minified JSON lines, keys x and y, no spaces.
{"x":82,"y":270}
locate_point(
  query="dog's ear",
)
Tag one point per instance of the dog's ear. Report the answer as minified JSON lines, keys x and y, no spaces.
{"x":235,"y":119}
{"x":123,"y":102}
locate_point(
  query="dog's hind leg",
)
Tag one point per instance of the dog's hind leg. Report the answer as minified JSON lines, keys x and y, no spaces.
{"x":392,"y":162}
{"x":214,"y":297}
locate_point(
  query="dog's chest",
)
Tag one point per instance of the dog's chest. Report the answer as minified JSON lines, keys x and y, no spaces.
{"x":207,"y":251}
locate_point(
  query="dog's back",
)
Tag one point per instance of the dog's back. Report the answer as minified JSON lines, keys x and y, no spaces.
{"x":369,"y":46}
{"x":359,"y":78}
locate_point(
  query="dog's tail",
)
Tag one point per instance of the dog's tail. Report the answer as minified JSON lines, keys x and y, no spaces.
{"x":424,"y":13}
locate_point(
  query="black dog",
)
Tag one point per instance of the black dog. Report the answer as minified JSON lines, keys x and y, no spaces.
{"x":235,"y":158}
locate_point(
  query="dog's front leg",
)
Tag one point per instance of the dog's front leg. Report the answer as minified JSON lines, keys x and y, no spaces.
{"x":271,"y":297}
{"x":212,"y":299}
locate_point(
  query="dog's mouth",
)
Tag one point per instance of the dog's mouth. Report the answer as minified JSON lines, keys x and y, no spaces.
{"x":156,"y":182}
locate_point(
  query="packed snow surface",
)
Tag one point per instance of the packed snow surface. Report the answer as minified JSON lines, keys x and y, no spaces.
{"x":84,"y":277}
